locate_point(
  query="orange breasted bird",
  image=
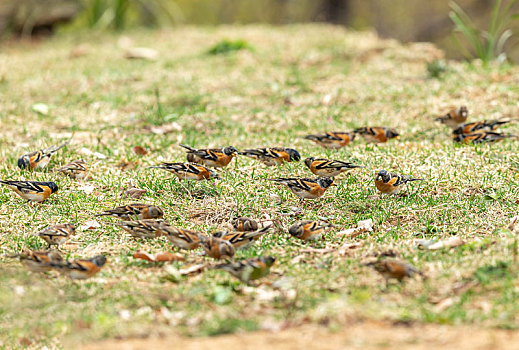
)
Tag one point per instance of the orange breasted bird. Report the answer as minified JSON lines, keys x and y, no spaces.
{"x":38,"y":159}
{"x":272,"y":156}
{"x":35,"y":191}
{"x":394,"y":269}
{"x":217,"y":248}
{"x":183,"y":238}
{"x":455,"y":117}
{"x":188,"y":171}
{"x":39,"y":261}
{"x":214,"y":157}
{"x":306,"y":188}
{"x":308,"y":230}
{"x":81,"y":269}
{"x":146,"y":228}
{"x":244,"y":224}
{"x":329,"y":168}
{"x":250,"y":269}
{"x":481,"y":137}
{"x":377,"y":134}
{"x":333,"y":139}
{"x":390,"y":183}
{"x":135,"y":211}
{"x":242,"y":239}
{"x":57,"y":234}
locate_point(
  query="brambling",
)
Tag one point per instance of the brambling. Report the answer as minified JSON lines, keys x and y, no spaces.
{"x":377,"y":134}
{"x":250,"y":269}
{"x":39,"y":261}
{"x":216,"y":158}
{"x":272,"y":156}
{"x":242,"y":240}
{"x":57,"y":234}
{"x":217,"y":248}
{"x":81,"y":269}
{"x":35,"y":191}
{"x":244,"y":224}
{"x":308,"y":230}
{"x":183,"y":238}
{"x":394,"y":269}
{"x":389,"y":183}
{"x":481,"y":137}
{"x":455,"y":117}
{"x":38,"y":159}
{"x":135,"y":211}
{"x":481,"y":126}
{"x":188,"y":171}
{"x":332,"y":140}
{"x":329,"y":168}
{"x":307,"y":188}
{"x":78,"y":169}
{"x":146,"y":228}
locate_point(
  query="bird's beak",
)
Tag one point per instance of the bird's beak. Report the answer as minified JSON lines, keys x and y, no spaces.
{"x":333,"y":184}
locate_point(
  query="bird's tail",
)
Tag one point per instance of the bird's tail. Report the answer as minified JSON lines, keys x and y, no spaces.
{"x":188,"y":147}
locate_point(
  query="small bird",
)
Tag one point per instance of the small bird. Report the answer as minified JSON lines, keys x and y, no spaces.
{"x":377,"y":134}
{"x":250,"y":269}
{"x":329,"y":168}
{"x":78,"y":169}
{"x":38,"y":159}
{"x":244,"y":224}
{"x":147,"y":228}
{"x":481,"y":126}
{"x":35,"y":191}
{"x":188,"y":171}
{"x":217,"y":248}
{"x":389,"y":183}
{"x":332,"y":140}
{"x":394,"y":269}
{"x":80,"y":269}
{"x":57,"y":234}
{"x":135,"y":211}
{"x":308,"y":230}
{"x":214,"y":157}
{"x":306,"y":188}
{"x":242,"y":239}
{"x":455,"y":117}
{"x":272,"y":156}
{"x":481,"y":137}
{"x":39,"y":261}
{"x":183,"y":238}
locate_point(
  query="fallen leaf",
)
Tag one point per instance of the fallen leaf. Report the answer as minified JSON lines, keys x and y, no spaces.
{"x":362,"y":226}
{"x":87,"y":188}
{"x":161,"y":257}
{"x":512,"y":226}
{"x":89,"y":225}
{"x":144,"y":53}
{"x":88,"y":152}
{"x":444,"y":304}
{"x":166,"y":128}
{"x":193,"y":269}
{"x":40,"y":108}
{"x":448,"y":243}
{"x":345,"y":249}
{"x":126,"y":165}
{"x":139,"y":150}
{"x":317,"y":250}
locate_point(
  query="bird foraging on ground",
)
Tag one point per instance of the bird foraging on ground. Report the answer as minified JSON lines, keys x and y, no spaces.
{"x":57,"y":234}
{"x":217,"y":248}
{"x":188,"y":171}
{"x":35,"y":191}
{"x":147,"y":228}
{"x":481,"y":137}
{"x":38,"y":159}
{"x":306,"y":188}
{"x":455,"y":117}
{"x":214,"y":157}
{"x":80,"y":269}
{"x":77,"y":169}
{"x":243,"y":224}
{"x":135,"y":211}
{"x":250,"y":269}
{"x":332,"y":140}
{"x":329,"y":168}
{"x":39,"y":261}
{"x":183,"y":238}
{"x":394,"y":269}
{"x":272,"y":156}
{"x":242,"y":239}
{"x":308,"y":230}
{"x":481,"y":126}
{"x":377,"y":134}
{"x":390,"y":183}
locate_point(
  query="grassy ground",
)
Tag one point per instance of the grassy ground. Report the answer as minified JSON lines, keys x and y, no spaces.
{"x":293,"y":81}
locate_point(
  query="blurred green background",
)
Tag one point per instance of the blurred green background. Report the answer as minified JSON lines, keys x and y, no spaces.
{"x":405,"y":20}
